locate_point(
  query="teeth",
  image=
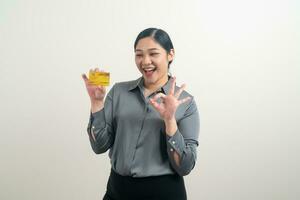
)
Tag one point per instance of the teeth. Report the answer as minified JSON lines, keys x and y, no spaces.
{"x":149,"y":69}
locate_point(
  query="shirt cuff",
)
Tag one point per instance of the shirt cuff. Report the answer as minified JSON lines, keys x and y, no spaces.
{"x":97,"y":119}
{"x":176,"y":143}
{"x":95,"y":122}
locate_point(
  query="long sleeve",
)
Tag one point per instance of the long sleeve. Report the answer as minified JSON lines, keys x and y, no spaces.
{"x":100,"y":127}
{"x":185,"y":141}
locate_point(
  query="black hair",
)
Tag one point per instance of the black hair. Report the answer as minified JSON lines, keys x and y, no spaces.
{"x":159,"y":35}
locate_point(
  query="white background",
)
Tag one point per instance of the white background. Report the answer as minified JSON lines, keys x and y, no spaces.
{"x":240,"y":59}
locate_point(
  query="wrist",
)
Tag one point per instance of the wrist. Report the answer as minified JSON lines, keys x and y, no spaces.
{"x":171,"y":120}
{"x":171,"y":126}
{"x":96,"y":106}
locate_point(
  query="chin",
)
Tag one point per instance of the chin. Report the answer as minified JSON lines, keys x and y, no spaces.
{"x":150,"y":80}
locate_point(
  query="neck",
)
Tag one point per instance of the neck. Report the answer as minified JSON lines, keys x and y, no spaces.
{"x":158,"y":84}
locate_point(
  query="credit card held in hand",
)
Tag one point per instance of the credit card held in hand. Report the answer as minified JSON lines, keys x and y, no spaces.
{"x":99,"y":78}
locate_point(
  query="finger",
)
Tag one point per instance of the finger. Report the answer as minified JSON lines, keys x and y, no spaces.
{"x":84,"y":77}
{"x":172,"y":89}
{"x":184,"y":100}
{"x":155,"y":104}
{"x":86,"y":80}
{"x":159,"y":95}
{"x":178,"y":92}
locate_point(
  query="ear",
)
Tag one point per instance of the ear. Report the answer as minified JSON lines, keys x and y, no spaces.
{"x":171,"y":55}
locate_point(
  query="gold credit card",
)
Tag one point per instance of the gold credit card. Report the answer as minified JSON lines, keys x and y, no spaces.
{"x":99,"y":78}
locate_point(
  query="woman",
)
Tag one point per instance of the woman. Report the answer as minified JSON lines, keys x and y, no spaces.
{"x":149,"y":125}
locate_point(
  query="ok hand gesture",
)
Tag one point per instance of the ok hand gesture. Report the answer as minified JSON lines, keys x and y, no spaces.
{"x":170,"y":102}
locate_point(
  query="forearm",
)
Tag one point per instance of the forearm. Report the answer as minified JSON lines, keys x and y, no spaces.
{"x":171,"y":128}
{"x":182,"y":155}
{"x":100,"y":128}
{"x":95,"y":107}
{"x":182,"y":152}
{"x":100,"y":132}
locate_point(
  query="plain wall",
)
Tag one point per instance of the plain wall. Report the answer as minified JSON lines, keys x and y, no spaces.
{"x":240,"y":59}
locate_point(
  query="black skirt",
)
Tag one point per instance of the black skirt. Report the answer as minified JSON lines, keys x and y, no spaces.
{"x":163,"y":187}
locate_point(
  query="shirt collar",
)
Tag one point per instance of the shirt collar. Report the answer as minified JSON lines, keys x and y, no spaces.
{"x":139,"y":83}
{"x":136,"y":83}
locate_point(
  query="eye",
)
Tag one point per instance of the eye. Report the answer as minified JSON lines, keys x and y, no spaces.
{"x":138,"y":55}
{"x":154,"y":54}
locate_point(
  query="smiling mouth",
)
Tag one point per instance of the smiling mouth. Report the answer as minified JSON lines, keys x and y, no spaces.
{"x":149,"y":71}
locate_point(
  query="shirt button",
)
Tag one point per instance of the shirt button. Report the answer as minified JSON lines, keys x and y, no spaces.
{"x":93,"y":127}
{"x":173,"y":142}
{"x":171,"y":149}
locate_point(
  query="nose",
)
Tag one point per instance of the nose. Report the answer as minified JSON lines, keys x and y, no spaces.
{"x":146,"y":60}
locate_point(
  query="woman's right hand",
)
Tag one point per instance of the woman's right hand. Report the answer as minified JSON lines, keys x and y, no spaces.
{"x":96,"y":93}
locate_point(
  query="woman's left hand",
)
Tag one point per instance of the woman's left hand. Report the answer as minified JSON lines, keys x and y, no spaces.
{"x":169,"y":103}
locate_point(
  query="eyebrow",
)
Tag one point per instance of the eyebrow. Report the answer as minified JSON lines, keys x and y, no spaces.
{"x":148,"y":49}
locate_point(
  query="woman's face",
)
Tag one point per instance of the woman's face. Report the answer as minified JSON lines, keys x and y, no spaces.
{"x":152,"y":61}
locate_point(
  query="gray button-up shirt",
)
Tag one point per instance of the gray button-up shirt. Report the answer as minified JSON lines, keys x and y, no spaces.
{"x":134,"y":133}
